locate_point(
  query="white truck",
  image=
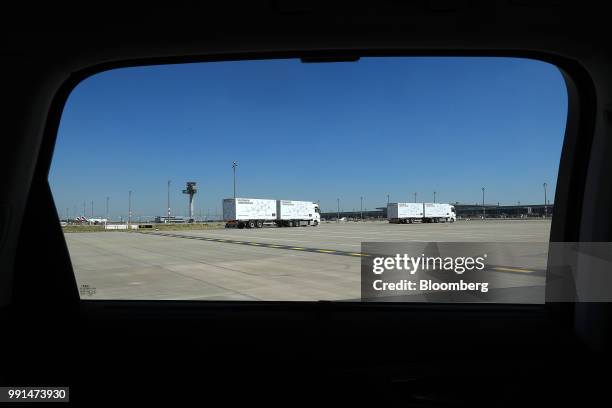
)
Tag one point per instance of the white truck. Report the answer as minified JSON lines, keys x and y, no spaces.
{"x":407,"y":213}
{"x":257,"y":212}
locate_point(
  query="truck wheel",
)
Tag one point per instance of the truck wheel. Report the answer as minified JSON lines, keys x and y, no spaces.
{"x":240,"y":225}
{"x":316,"y":223}
{"x":259,"y":224}
{"x":251,"y":224}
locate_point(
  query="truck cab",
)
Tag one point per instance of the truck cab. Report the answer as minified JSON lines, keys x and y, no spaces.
{"x":317,"y":215}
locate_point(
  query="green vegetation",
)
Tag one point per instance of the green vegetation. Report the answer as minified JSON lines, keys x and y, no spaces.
{"x":181,"y":227}
{"x":83,"y":228}
{"x":154,"y":227}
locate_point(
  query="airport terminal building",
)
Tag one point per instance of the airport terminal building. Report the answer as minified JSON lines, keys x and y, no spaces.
{"x":463,"y":211}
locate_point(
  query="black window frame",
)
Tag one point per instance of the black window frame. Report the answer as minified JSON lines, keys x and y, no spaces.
{"x":565,"y":226}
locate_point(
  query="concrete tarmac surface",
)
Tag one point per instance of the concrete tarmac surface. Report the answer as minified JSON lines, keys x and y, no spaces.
{"x":294,"y":264}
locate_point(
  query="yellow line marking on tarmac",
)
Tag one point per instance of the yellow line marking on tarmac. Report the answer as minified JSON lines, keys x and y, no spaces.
{"x":499,"y":268}
{"x":357,"y":254}
{"x":254,"y":243}
{"x":327,"y":251}
{"x":298,"y":248}
{"x":275,"y":246}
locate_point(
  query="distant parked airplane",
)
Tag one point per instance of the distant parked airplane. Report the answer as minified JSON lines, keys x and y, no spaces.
{"x":94,"y":221}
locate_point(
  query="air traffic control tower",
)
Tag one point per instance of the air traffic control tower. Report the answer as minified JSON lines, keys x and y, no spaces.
{"x":191,"y":190}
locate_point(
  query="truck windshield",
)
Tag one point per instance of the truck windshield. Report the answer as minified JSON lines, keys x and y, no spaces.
{"x":278,"y":180}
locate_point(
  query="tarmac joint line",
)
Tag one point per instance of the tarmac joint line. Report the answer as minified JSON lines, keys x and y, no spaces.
{"x":259,"y":244}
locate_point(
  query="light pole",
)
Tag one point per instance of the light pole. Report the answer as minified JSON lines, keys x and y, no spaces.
{"x":483,"y":205}
{"x":415,"y":196}
{"x":169,"y":212}
{"x":361,"y":208}
{"x":129,"y":208}
{"x":387,"y":199}
{"x":338,"y":218}
{"x":434,"y":197}
{"x":545,"y":209}
{"x":84,"y":206}
{"x":107,"y":199}
{"x":234,"y":165}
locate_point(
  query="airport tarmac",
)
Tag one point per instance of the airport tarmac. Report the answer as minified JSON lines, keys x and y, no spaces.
{"x":307,"y":263}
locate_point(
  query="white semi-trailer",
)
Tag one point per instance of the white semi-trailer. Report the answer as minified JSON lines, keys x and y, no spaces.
{"x":407,"y":213}
{"x":256,"y":212}
{"x":404,"y":212}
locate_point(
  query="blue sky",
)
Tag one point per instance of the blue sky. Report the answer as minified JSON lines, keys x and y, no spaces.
{"x":311,"y":132}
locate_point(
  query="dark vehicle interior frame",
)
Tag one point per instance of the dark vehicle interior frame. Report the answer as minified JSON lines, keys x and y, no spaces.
{"x":319,"y":352}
